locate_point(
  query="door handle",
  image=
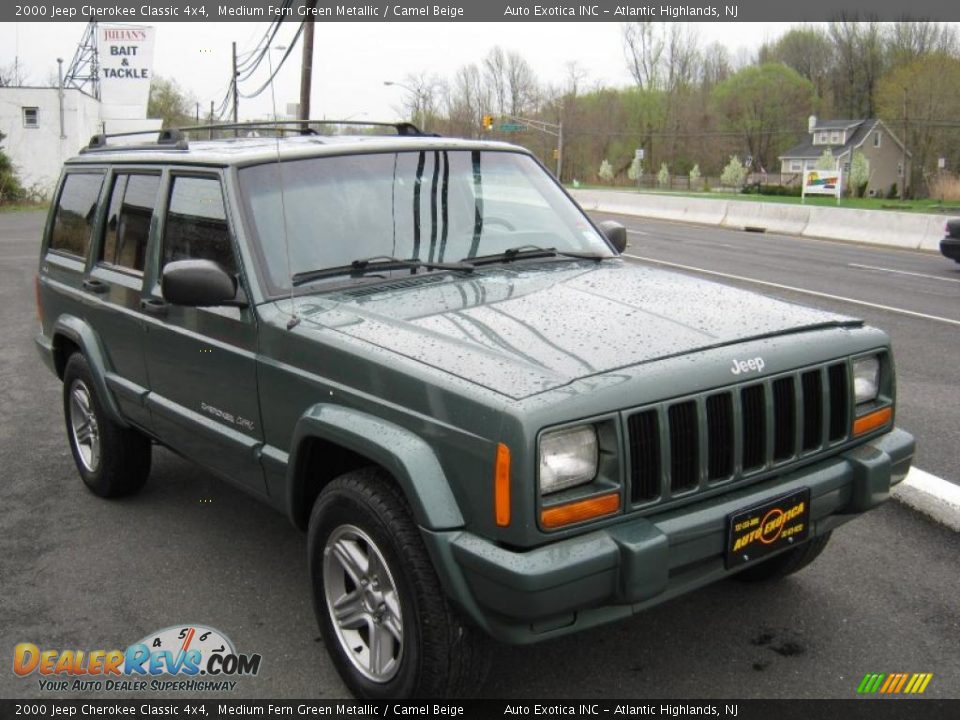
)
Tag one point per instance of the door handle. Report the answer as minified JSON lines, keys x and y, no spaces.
{"x":154,"y":307}
{"x":96,"y":286}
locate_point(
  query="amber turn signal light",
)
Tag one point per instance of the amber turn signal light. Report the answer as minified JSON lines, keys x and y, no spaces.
{"x":501,"y":486}
{"x":872,"y":420}
{"x":580,"y":510}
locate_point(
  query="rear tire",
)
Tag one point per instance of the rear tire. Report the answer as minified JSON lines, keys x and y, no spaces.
{"x":394,"y":634}
{"x":786,"y":563}
{"x":112,"y":460}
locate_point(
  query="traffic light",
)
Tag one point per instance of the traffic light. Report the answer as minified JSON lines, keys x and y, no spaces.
{"x":488,"y":122}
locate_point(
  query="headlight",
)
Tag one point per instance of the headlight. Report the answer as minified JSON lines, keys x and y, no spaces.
{"x":866,"y":379}
{"x":568,"y":457}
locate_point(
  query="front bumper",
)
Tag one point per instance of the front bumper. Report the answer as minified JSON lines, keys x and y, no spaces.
{"x":614,"y":572}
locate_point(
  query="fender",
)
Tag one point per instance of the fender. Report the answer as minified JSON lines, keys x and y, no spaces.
{"x":82,"y":335}
{"x":401,"y":453}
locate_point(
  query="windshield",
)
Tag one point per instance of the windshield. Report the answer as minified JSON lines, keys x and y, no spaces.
{"x":432,"y":205}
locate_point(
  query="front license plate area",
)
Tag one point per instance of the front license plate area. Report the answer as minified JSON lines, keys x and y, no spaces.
{"x":763,"y":529}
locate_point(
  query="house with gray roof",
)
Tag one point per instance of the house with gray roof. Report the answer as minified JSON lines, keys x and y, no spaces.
{"x":886,"y":155}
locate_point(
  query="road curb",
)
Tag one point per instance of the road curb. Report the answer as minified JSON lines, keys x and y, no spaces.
{"x":932,"y":496}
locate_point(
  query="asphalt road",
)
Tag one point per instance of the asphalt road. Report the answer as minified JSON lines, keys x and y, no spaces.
{"x":82,"y":573}
{"x":914,"y":296}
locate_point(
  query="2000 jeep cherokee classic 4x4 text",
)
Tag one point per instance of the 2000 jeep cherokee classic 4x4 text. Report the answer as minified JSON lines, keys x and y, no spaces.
{"x":425,"y":353}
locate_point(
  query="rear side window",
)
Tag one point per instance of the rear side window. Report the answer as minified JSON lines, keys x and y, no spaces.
{"x":76,"y":213}
{"x":128,"y":221}
{"x":196,"y":225}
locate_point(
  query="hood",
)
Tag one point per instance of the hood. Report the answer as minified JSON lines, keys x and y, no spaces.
{"x":527,"y":328}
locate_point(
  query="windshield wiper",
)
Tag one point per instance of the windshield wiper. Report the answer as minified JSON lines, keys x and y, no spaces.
{"x":525,"y":252}
{"x":377,"y":263}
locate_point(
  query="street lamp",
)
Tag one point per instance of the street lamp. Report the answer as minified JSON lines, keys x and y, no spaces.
{"x":273,"y":99}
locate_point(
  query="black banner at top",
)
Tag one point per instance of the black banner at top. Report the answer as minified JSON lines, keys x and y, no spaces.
{"x":483,"y":11}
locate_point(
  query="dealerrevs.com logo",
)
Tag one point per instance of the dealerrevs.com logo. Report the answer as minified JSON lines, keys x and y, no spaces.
{"x":187,"y":658}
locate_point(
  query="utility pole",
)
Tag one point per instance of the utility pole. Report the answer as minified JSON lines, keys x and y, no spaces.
{"x":903,"y":140}
{"x":306,"y":64}
{"x":211,"y":119}
{"x":236,"y":94}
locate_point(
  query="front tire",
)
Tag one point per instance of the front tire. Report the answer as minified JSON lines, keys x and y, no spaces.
{"x":112,"y":460}
{"x":786,"y":563}
{"x":382,"y":613}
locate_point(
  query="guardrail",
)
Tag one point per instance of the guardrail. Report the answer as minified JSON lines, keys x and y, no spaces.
{"x":918,"y":231}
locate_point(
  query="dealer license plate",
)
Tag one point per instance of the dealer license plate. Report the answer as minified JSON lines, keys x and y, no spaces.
{"x":761,"y":530}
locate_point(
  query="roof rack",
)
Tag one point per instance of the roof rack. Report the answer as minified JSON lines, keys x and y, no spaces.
{"x":176,"y":139}
{"x":171,"y":138}
{"x":305,"y":126}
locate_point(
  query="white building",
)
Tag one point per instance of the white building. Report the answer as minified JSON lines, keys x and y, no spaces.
{"x":44,"y":127}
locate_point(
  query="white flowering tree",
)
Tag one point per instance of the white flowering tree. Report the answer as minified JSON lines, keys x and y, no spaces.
{"x":859,"y":173}
{"x":606,"y":171}
{"x":734,"y":173}
{"x":663,"y":177}
{"x":826,"y":161}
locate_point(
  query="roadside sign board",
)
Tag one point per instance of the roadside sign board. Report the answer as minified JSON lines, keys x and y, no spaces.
{"x":821,"y":182}
{"x":511,"y":127}
{"x":638,"y":154}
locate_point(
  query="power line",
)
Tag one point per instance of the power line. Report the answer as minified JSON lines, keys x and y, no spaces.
{"x":269,"y":80}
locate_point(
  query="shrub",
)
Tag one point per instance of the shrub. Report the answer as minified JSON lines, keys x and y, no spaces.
{"x":11,"y":189}
{"x":945,"y":186}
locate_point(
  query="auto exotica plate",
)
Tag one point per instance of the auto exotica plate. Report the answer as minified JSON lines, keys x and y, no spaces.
{"x":761,"y":530}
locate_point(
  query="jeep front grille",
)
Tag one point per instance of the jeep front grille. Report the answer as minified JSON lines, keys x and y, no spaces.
{"x":683,"y":446}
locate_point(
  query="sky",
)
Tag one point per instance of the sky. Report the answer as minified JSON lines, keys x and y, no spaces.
{"x":352,"y":60}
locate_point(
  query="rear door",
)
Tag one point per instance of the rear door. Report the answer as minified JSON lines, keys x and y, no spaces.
{"x":70,"y":233}
{"x":201,"y":362}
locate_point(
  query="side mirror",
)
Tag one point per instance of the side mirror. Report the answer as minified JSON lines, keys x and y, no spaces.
{"x":199,"y":283}
{"x":615,"y":233}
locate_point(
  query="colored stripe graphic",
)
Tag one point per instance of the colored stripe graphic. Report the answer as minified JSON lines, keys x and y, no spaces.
{"x":894,"y":683}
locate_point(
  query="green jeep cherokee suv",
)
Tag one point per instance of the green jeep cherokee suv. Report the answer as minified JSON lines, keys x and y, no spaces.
{"x":424,"y":353}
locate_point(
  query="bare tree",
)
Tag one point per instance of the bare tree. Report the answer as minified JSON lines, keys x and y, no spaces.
{"x":12,"y":75}
{"x":495,"y":75}
{"x":716,"y":65}
{"x":422,"y":100}
{"x":523,"y":87}
{"x":909,"y":41}
{"x":860,"y":63}
{"x":644,"y":47}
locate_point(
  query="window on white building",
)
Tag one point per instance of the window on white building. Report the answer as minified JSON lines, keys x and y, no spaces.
{"x":796,"y":165}
{"x":835,"y":137}
{"x":820,"y":138}
{"x":31,"y":117}
{"x":877,"y":138}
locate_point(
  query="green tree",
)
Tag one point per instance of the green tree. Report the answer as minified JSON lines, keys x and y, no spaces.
{"x":916,"y":103}
{"x":806,"y":49}
{"x":170,"y":102}
{"x":636,"y":168}
{"x":11,"y":189}
{"x":760,"y":103}
{"x":695,"y":173}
